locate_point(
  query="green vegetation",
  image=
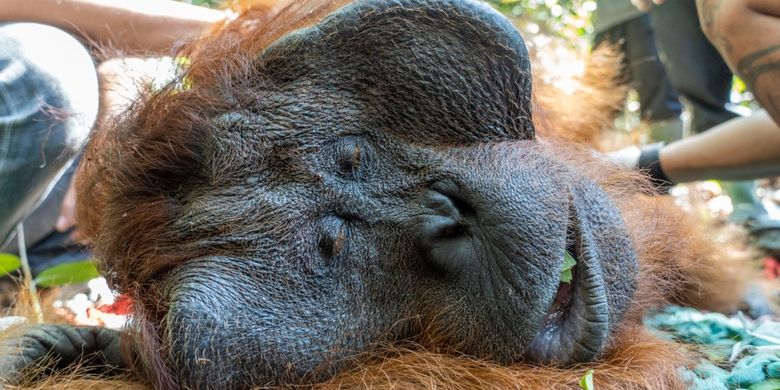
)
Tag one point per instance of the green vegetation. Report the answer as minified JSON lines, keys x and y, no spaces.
{"x":60,"y":275}
{"x":204,"y":3}
{"x":568,"y":264}
{"x":68,"y":273}
{"x":586,"y":383}
{"x":9,"y":263}
{"x":569,"y":19}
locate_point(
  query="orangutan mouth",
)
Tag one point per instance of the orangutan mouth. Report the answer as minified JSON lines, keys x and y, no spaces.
{"x":576,"y":326}
{"x":563,"y":296}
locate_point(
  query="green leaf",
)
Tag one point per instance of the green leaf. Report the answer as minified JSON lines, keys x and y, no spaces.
{"x":568,"y":264}
{"x":586,"y":382}
{"x":566,"y":276}
{"x":68,"y":273}
{"x":9,"y":263}
{"x":772,"y":384}
{"x":568,"y":260}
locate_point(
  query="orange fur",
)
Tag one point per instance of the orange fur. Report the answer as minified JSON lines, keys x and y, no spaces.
{"x":637,"y":361}
{"x":588,"y":107}
{"x":674,"y":263}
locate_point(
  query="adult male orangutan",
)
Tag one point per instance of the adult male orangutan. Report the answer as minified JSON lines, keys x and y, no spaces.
{"x":355,"y":196}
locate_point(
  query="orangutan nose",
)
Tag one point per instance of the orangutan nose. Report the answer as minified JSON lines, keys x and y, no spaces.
{"x":443,"y":233}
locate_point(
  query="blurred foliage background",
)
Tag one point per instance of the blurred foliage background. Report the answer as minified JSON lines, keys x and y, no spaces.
{"x":564,"y":18}
{"x":569,"y":19}
{"x":204,"y":3}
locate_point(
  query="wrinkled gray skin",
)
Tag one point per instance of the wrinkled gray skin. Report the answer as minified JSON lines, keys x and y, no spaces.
{"x":386,"y":183}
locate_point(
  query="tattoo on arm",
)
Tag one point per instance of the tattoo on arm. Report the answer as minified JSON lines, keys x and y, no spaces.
{"x":755,"y":64}
{"x":708,"y":9}
{"x":766,"y":63}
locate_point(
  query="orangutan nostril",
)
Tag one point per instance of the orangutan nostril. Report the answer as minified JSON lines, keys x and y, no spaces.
{"x":453,"y":231}
{"x":453,"y":193}
{"x":443,"y":232}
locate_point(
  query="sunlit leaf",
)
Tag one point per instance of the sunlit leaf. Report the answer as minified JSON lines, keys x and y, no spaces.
{"x":568,"y":260}
{"x":9,"y":263}
{"x":68,"y":273}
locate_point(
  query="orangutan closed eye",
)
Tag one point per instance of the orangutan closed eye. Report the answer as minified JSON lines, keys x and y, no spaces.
{"x":364,"y":202}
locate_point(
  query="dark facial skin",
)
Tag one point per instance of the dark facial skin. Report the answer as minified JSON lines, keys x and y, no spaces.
{"x":384,"y":183}
{"x":371,"y":181}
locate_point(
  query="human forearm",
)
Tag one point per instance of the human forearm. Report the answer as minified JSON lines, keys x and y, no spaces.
{"x":743,"y":148}
{"x":153,"y":26}
{"x":747,"y":34}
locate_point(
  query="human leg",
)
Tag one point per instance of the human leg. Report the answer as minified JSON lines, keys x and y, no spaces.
{"x":642,"y":69}
{"x":658,"y":101}
{"x":48,"y":102}
{"x":698,"y":72}
{"x":657,"y":98}
{"x":695,"y":68}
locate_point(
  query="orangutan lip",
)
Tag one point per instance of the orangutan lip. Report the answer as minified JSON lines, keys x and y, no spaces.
{"x":576,"y":326}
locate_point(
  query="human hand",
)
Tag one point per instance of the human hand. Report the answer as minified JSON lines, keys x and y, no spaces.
{"x":645,"y":5}
{"x":626,"y":158}
{"x":646,"y":160}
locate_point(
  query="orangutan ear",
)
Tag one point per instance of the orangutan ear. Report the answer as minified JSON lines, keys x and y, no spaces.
{"x":430,"y":71}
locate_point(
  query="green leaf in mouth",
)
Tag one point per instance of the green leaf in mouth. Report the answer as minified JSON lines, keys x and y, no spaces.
{"x":568,"y":264}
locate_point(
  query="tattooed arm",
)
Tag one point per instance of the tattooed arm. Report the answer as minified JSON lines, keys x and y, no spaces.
{"x":740,"y":149}
{"x":747,"y":34}
{"x":133,"y":25}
